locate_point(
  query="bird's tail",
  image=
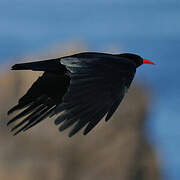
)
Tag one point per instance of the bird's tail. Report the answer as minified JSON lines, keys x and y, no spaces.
{"x":51,"y":65}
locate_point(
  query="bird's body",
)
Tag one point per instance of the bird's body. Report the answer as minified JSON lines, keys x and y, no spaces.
{"x":83,"y":87}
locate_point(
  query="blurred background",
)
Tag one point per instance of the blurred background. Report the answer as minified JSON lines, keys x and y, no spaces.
{"x":142,"y":139}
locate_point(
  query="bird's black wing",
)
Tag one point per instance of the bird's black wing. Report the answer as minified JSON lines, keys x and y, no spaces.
{"x":84,"y":87}
{"x":40,"y":100}
{"x":97,"y":87}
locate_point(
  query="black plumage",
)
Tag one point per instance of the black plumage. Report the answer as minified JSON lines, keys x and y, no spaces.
{"x":83,"y":87}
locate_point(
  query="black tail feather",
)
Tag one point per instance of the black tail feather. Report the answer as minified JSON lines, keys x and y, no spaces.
{"x":52,"y":65}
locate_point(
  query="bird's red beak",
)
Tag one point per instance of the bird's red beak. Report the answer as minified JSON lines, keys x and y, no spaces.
{"x":146,"y":61}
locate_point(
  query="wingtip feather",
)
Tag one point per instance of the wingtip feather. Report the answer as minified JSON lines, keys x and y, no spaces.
{"x":71,"y":134}
{"x":14,"y":108}
{"x":86,"y":131}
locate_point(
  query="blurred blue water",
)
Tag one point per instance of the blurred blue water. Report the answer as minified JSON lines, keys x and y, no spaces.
{"x":149,"y":28}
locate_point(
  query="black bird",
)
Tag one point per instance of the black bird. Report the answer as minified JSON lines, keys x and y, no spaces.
{"x":83,"y":87}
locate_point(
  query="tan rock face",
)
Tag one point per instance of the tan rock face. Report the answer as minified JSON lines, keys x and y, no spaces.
{"x":114,"y":150}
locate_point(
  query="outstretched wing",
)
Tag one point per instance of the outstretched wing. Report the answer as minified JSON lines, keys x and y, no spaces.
{"x":84,"y":87}
{"x":97,"y":87}
{"x":40,"y":100}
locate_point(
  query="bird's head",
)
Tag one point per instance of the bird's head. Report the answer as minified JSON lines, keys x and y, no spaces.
{"x":138,"y":60}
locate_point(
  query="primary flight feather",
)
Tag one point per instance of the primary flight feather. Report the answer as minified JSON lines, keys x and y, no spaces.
{"x":82,"y":89}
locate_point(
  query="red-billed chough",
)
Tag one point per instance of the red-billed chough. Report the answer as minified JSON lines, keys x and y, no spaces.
{"x":83,"y":88}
